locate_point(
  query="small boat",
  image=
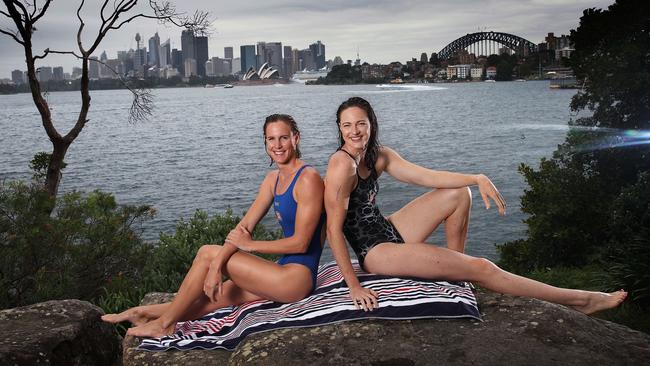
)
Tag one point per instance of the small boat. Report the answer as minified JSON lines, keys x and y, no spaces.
{"x":490,"y":81}
{"x":228,"y":86}
{"x":520,"y":80}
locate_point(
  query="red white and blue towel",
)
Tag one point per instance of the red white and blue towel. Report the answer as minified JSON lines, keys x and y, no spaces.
{"x":330,"y":303}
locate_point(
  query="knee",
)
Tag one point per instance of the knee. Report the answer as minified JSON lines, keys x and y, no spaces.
{"x":484,"y":268}
{"x":462,"y":195}
{"x":207,"y":253}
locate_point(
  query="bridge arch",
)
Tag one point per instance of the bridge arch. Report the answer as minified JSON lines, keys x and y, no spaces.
{"x":488,"y":40}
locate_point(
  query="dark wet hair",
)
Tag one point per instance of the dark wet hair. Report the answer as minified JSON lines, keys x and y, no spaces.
{"x":286,"y":119}
{"x":372,"y":149}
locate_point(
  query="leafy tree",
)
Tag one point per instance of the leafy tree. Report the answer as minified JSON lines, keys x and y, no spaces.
{"x":589,"y":203}
{"x":24,"y":16}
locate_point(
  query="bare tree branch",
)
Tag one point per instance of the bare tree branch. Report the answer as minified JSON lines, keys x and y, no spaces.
{"x":142,"y":105}
{"x":42,"y":12}
{"x":12,"y":35}
{"x":5,"y":14}
{"x":81,"y":27}
{"x":48,"y":51}
{"x":23,"y":9}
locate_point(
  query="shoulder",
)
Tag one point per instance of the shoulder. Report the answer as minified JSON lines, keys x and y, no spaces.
{"x":310,"y":176}
{"x":309,"y":184}
{"x":270,"y":178}
{"x":340,"y":161}
{"x":386,"y":155}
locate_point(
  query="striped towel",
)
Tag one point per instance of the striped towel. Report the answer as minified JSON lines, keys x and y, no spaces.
{"x":399,"y":298}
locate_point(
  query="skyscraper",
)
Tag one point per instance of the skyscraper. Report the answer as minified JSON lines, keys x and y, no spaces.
{"x":274,"y":55}
{"x":187,"y":46}
{"x":247,"y":55}
{"x":165,"y":57}
{"x":57,"y":73}
{"x":261,"y":54}
{"x":17,"y":77}
{"x":177,"y":60}
{"x":93,"y":68}
{"x":287,"y":65}
{"x":201,"y":54}
{"x":318,"y":52}
{"x":154,"y":50}
{"x":227,"y":53}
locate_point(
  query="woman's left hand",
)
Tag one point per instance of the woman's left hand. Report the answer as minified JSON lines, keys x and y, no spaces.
{"x":241,"y":238}
{"x":489,"y":191}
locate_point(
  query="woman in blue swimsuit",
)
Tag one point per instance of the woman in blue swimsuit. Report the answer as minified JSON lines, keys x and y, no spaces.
{"x":296,"y":192}
{"x":395,"y":245}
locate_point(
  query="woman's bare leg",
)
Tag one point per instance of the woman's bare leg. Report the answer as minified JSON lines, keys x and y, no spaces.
{"x":420,"y":217}
{"x":431,"y":262}
{"x":252,"y":278}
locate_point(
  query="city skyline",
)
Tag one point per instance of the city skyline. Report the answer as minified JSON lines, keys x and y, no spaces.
{"x":388,"y":31}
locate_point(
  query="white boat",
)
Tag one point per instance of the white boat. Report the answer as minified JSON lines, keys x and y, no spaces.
{"x":227,"y":86}
{"x":490,"y":81}
{"x":305,"y":76}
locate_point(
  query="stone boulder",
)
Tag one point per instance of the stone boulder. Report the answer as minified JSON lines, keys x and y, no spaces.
{"x":58,"y":332}
{"x":515,"y":331}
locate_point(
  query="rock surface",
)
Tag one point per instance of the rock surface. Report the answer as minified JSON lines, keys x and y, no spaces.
{"x":58,"y":332}
{"x":515,"y":331}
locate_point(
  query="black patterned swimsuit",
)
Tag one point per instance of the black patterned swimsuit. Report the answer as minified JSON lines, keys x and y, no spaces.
{"x":364,"y":225}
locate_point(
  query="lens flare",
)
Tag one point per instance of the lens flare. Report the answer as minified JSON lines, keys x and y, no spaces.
{"x":609,"y":138}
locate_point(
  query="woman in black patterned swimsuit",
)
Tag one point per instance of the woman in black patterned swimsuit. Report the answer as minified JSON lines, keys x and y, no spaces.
{"x":395,"y":245}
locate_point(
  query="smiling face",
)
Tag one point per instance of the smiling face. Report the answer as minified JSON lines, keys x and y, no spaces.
{"x":281,"y":142}
{"x":355,"y":128}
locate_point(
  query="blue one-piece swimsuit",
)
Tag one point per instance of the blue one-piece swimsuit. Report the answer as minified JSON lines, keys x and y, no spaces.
{"x":285,"y":207}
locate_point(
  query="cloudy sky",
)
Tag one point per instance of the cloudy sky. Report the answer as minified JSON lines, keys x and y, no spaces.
{"x":381,"y":30}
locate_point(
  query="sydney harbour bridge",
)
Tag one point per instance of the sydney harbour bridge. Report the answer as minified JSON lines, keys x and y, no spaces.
{"x":488,"y":43}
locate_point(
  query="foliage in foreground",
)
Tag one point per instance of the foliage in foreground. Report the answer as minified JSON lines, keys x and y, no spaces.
{"x":590,"y":203}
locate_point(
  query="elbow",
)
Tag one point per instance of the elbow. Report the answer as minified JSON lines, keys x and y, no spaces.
{"x":301,"y":246}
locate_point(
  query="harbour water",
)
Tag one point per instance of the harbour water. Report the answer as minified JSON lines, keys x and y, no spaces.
{"x":203,"y":148}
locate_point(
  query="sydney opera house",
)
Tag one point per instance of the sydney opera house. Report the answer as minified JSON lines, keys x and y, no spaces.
{"x":265,"y":72}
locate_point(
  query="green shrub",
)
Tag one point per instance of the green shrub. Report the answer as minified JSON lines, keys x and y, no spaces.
{"x":76,"y":251}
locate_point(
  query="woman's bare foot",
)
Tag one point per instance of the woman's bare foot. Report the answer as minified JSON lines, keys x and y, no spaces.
{"x":598,"y":301}
{"x":135,"y":316}
{"x":152,"y":329}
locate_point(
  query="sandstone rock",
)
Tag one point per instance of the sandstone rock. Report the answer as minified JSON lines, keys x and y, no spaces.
{"x":515,"y":331}
{"x":59,"y":332}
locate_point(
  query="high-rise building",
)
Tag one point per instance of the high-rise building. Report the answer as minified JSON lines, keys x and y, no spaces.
{"x":93,"y":68}
{"x":165,"y":56}
{"x":274,"y":55}
{"x":187,"y":45}
{"x":307,"y":61}
{"x":57,"y":73}
{"x":227,"y":53}
{"x":154,"y":50}
{"x":261,"y":54}
{"x":201,"y":53}
{"x":318,"y":53}
{"x":287,"y":65}
{"x":177,"y":60}
{"x":17,"y":77}
{"x":295,"y":60}
{"x":247,"y":56}
{"x":190,"y":67}
{"x":235,"y":65}
{"x":76,"y":72}
{"x":209,"y":67}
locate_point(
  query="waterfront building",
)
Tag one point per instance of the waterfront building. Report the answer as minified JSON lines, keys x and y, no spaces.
{"x":209,"y":68}
{"x":187,"y":46}
{"x":93,"y":68}
{"x":295,"y":60}
{"x":307,"y":61}
{"x":274,"y":56}
{"x":57,"y":73}
{"x":154,"y":50}
{"x":491,"y":73}
{"x":76,"y":73}
{"x":373,"y":71}
{"x":201,"y":52}
{"x":476,"y":72}
{"x":17,"y":77}
{"x":318,"y":53}
{"x":287,"y":62}
{"x":424,"y":58}
{"x":235,"y":66}
{"x":177,"y":59}
{"x":247,"y":55}
{"x":452,"y":72}
{"x":228,"y":53}
{"x":165,"y":55}
{"x":189,"y":65}
{"x":115,"y":68}
{"x":442,"y":74}
{"x":261,"y":54}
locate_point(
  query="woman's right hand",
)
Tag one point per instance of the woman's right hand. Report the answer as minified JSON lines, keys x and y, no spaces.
{"x":213,"y":285}
{"x":364,"y":298}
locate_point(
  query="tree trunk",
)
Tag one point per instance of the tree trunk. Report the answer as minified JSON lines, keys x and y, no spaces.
{"x":54,"y":169}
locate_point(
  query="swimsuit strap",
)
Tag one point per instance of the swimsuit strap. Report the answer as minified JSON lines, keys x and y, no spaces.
{"x":293,"y":181}
{"x":372,"y":172}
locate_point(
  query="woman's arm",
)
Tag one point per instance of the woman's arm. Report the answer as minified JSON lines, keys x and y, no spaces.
{"x":407,"y":172}
{"x":339,"y":183}
{"x":309,"y":197}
